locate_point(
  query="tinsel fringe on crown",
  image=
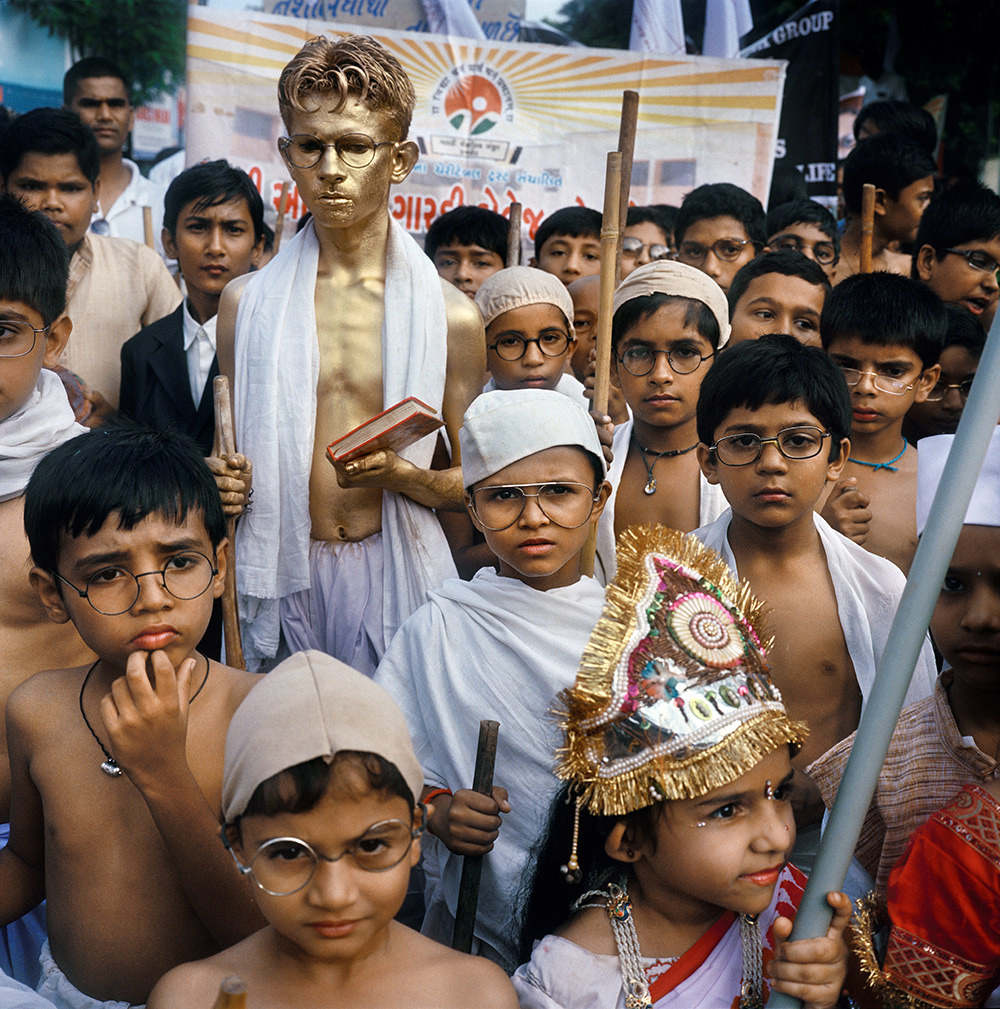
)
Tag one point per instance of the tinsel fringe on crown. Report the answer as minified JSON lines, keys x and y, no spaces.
{"x":864,"y":925}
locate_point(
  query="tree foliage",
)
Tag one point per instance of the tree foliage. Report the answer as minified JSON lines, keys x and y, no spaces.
{"x":144,"y":37}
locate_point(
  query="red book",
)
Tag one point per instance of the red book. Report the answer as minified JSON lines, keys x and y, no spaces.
{"x":396,"y":428}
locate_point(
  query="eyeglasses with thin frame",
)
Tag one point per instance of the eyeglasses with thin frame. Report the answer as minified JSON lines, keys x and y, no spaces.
{"x":113,"y":590}
{"x":977,"y":259}
{"x":640,"y":359}
{"x":942,"y":389}
{"x":792,"y":442}
{"x":566,"y":504}
{"x":17,"y":339}
{"x":284,"y":865}
{"x":825,"y":253}
{"x":356,"y":150}
{"x":632,"y":247}
{"x":893,"y":386}
{"x":513,"y":346}
{"x":726,"y":249}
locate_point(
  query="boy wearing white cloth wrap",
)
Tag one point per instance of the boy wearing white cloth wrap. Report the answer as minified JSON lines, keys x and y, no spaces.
{"x":348,"y":319}
{"x":502,"y":646}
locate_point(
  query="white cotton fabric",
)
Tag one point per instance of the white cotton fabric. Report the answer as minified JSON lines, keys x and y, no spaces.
{"x":491,"y":648}
{"x":984,"y":506}
{"x":518,"y":286}
{"x":277,"y":368}
{"x":868,"y":589}
{"x":711,"y":504}
{"x":43,"y":423}
{"x":55,"y":989}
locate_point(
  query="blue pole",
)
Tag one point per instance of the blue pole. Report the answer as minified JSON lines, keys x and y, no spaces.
{"x":930,"y":563}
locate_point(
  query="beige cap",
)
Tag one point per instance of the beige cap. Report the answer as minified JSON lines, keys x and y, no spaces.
{"x":984,"y":506}
{"x":664,"y":276}
{"x":311,"y":705}
{"x":518,"y":286}
{"x":503,"y":426}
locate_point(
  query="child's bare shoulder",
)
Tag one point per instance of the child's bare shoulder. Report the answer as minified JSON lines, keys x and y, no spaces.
{"x":590,"y":930}
{"x":32,"y":702}
{"x":198,"y":982}
{"x":233,"y":683}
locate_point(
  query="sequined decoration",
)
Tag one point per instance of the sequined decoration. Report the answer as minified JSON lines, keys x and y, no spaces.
{"x":706,"y":630}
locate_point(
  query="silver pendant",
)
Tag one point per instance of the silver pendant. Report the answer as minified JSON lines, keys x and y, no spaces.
{"x":111,"y":768}
{"x":650,"y":487}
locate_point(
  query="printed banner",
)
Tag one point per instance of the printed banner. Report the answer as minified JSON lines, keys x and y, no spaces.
{"x":499,"y":122}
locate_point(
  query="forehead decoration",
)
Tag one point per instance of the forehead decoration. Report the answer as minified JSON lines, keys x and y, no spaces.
{"x":673,"y":697}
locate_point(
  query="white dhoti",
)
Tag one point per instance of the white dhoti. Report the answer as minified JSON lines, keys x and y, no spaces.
{"x":57,"y":989}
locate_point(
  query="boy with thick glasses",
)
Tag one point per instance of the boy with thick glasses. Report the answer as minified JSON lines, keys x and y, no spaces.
{"x":774,"y":418}
{"x":502,"y":646}
{"x":116,"y":765}
{"x":808,"y":227}
{"x":321,"y":805}
{"x":646,"y":239}
{"x":886,"y":333}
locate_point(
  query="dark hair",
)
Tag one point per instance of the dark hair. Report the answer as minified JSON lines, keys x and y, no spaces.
{"x":887,"y":161}
{"x":211,"y":183}
{"x":573,"y":222}
{"x":900,"y":118}
{"x":120,"y":469}
{"x":647,"y":215}
{"x":965,"y":212}
{"x":34,"y":260}
{"x":885,"y":309}
{"x":963,"y":331}
{"x":92,"y":66}
{"x":49,"y":131}
{"x":297,"y":789}
{"x":803,"y":212}
{"x":722,"y":199}
{"x":668,"y":218}
{"x":772,"y":370}
{"x":469,"y":226}
{"x":787,"y":262}
{"x":697,"y":314}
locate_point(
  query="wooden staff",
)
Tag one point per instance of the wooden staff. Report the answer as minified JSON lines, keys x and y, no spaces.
{"x":225,"y":446}
{"x":472,"y":867}
{"x":279,"y":224}
{"x":147,"y":226}
{"x":232,"y":994}
{"x":610,"y":230}
{"x":867,"y":226}
{"x":626,"y":145}
{"x":514,"y":236}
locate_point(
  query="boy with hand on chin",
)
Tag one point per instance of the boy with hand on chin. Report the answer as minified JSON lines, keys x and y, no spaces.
{"x":114,"y":817}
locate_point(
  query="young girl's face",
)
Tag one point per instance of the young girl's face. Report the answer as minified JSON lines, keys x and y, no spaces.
{"x":723,"y":850}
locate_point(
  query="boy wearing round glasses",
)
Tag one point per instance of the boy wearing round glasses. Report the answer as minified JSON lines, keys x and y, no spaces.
{"x":774,"y":421}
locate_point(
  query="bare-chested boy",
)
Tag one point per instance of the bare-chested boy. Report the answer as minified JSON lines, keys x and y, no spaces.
{"x":886,"y":333}
{"x":116,"y":765}
{"x":774,"y":418}
{"x":351,"y":317}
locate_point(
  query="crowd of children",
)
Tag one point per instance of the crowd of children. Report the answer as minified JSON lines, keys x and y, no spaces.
{"x":674,"y":720}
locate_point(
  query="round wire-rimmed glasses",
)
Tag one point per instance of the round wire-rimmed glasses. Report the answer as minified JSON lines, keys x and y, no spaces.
{"x":565,"y":504}
{"x":356,"y":150}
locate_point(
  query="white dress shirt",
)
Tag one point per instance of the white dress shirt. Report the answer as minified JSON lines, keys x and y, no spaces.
{"x":199,"y":349}
{"x":124,"y":218}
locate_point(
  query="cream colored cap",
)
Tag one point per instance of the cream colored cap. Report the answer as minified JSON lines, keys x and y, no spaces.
{"x":311,"y":705}
{"x":664,"y":276}
{"x":518,"y":286}
{"x":503,"y":426}
{"x":984,"y":507}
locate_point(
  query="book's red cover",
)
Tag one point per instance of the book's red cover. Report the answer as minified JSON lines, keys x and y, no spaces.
{"x":406,"y":429}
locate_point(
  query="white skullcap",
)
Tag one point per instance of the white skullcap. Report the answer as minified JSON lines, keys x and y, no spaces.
{"x":984,"y":508}
{"x":518,"y":286}
{"x":503,"y":426}
{"x":664,"y":276}
{"x":311,"y":705}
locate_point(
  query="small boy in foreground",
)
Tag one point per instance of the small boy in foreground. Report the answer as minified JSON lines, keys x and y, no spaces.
{"x":568,"y":244}
{"x":886,"y":333}
{"x":321,"y":806}
{"x":808,"y":227}
{"x":467,"y":245}
{"x":117,"y":766}
{"x":502,"y":646}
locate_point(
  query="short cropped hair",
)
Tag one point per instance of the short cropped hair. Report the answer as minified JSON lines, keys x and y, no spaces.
{"x":647,"y":215}
{"x":34,"y":260}
{"x":772,"y":370}
{"x":803,"y":212}
{"x":630,"y":314}
{"x":351,"y":66}
{"x":92,"y":66}
{"x":722,"y":199}
{"x":49,"y":131}
{"x":885,"y":309}
{"x":888,"y":162}
{"x":119,"y":470}
{"x":212,"y":183}
{"x":668,"y":218}
{"x":904,"y":119}
{"x":964,"y":331}
{"x":573,"y":222}
{"x":965,"y":212}
{"x":469,"y":225}
{"x":787,"y":262}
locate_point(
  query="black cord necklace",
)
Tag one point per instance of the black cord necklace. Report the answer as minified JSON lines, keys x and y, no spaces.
{"x":110,"y":765}
{"x":670,"y":453}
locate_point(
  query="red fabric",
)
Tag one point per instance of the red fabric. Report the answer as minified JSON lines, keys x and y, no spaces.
{"x":687,"y":964}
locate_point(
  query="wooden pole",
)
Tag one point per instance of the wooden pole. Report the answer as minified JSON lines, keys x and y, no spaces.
{"x":279,"y":224}
{"x":514,"y":236}
{"x":472,"y":867}
{"x":232,"y":994}
{"x":147,"y":227}
{"x":225,"y":446}
{"x":626,"y":145}
{"x":867,"y":226}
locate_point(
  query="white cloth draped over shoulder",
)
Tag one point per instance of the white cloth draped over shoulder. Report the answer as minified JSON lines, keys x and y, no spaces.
{"x":868,"y":589}
{"x":277,"y":369}
{"x":44,"y":422}
{"x":711,"y":504}
{"x":491,"y":648}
